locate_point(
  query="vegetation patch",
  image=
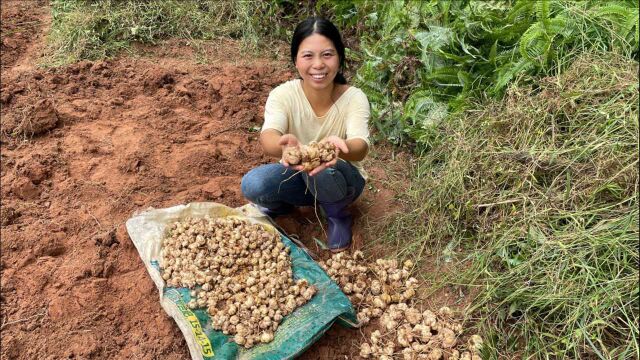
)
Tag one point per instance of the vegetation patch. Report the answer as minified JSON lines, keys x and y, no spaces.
{"x":422,"y":60}
{"x":542,"y":187}
{"x":90,"y":30}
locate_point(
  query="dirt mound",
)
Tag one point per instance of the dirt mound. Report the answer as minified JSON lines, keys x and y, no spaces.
{"x":32,"y":120}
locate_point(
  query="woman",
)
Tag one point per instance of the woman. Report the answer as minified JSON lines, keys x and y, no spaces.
{"x":319,"y":106}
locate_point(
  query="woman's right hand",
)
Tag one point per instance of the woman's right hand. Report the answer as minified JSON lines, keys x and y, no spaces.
{"x":289,"y":140}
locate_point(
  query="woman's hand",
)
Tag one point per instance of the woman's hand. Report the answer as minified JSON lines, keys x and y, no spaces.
{"x":289,"y":140}
{"x":341,"y":146}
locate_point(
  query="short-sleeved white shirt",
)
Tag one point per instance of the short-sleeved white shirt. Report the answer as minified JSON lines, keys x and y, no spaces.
{"x":288,"y":110}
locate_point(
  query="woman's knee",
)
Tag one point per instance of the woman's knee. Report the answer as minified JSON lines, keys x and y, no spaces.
{"x":252,"y":185}
{"x":261,"y":181}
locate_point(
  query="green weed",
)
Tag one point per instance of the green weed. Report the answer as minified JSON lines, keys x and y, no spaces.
{"x":421,"y":60}
{"x":84,"y":29}
{"x":537,"y":196}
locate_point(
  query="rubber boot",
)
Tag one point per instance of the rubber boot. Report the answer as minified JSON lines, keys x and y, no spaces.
{"x":274,"y":213}
{"x":339,"y":222}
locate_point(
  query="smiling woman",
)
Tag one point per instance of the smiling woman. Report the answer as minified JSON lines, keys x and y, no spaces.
{"x":318,"y":62}
{"x":318,"y":107}
{"x":330,"y":49}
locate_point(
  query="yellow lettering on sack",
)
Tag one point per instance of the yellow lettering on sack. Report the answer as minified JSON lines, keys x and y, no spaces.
{"x":196,"y":328}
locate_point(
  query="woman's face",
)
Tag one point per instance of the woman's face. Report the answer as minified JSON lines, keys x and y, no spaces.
{"x":317,"y":61}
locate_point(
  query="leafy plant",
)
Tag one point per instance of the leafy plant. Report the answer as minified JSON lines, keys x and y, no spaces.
{"x":452,"y":52}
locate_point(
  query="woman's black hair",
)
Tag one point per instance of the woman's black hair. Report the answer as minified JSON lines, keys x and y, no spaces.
{"x":324,"y":27}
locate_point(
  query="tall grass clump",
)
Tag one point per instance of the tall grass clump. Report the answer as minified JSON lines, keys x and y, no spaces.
{"x":541,"y":189}
{"x":83,"y":29}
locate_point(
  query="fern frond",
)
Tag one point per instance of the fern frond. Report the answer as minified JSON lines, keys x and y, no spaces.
{"x":422,"y":111}
{"x":543,"y":10}
{"x":512,"y":32}
{"x":622,"y":18}
{"x":445,"y":76}
{"x":493,"y":53}
{"x":521,"y":10}
{"x":630,"y":23}
{"x":507,"y":55}
{"x":558,"y":26}
{"x":613,"y":11}
{"x":507,"y":72}
{"x":436,"y":38}
{"x":465,"y":59}
{"x":465,"y":79}
{"x":534,"y":42}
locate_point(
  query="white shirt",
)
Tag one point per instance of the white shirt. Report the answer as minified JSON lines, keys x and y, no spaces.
{"x":288,"y":110}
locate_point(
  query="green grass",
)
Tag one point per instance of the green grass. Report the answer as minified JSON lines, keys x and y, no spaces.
{"x":540,"y":191}
{"x":90,"y":30}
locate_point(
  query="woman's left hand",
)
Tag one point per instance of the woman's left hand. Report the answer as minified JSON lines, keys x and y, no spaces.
{"x":341,"y":146}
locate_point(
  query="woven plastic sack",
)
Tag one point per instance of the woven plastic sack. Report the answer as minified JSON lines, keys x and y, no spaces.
{"x":298,"y":330}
